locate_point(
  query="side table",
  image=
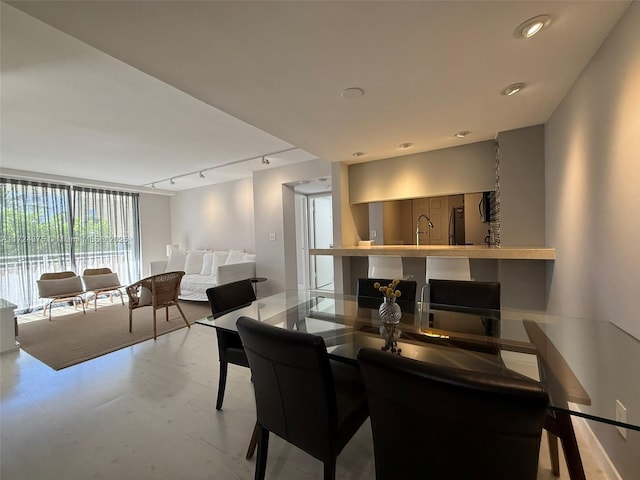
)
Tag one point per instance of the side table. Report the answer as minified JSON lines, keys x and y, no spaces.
{"x":255,"y":281}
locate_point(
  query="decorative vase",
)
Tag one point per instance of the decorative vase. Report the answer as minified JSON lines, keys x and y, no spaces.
{"x":390,"y":314}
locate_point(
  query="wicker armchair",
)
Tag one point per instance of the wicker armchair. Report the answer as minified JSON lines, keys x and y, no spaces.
{"x":157,"y":291}
{"x":101,"y":280}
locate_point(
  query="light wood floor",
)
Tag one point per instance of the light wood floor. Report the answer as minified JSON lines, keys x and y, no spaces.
{"x":147,"y":412}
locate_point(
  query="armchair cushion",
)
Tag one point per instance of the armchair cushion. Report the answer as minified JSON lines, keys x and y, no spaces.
{"x":60,"y":287}
{"x":99,"y":282}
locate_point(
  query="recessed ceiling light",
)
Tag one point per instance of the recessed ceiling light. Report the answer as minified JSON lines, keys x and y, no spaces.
{"x":512,"y":89}
{"x":357,"y":154}
{"x":532,"y":26}
{"x":352,"y":93}
{"x":201,"y":175}
{"x":462,"y":133}
{"x":172,"y":181}
{"x":405,"y":145}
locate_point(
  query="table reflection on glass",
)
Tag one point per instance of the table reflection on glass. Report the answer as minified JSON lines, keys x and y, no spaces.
{"x":575,"y":360}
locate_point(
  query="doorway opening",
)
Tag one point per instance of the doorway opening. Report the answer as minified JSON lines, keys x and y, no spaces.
{"x":314,"y":229}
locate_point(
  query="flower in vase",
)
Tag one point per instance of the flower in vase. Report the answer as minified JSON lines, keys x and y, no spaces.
{"x":389,"y":291}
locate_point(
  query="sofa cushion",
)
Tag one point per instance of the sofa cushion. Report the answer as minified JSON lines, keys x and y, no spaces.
{"x":176,"y":261}
{"x":197,"y":283}
{"x":235,"y":256}
{"x":207,"y":263}
{"x":193,"y":262}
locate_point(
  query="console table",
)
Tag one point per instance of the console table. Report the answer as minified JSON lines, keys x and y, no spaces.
{"x":7,"y":327}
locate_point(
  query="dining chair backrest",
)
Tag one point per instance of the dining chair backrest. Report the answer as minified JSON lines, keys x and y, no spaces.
{"x":230,"y":296}
{"x":465,"y":293}
{"x":385,"y":266}
{"x":480,"y":426}
{"x":295,"y":391}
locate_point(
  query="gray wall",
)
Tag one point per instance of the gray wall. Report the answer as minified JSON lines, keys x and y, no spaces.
{"x":522,"y":200}
{"x":592,"y":191}
{"x":468,"y":168}
{"x":216,"y":217}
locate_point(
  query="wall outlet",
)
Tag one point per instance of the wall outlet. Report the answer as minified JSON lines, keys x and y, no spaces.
{"x":373,"y":234}
{"x":272,"y":236}
{"x":621,"y":416}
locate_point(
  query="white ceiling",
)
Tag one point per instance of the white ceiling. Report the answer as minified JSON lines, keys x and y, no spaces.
{"x":138,"y":92}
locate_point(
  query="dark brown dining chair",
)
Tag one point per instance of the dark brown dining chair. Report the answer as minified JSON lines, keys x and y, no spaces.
{"x":478,"y":426}
{"x":224,"y":299}
{"x":468,"y":294}
{"x":465,"y":293}
{"x":156,"y":291}
{"x":301,"y":396}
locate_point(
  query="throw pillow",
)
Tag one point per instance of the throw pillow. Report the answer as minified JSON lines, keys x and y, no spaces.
{"x":193,"y":264}
{"x":176,"y":261}
{"x":249,"y":257}
{"x":146,"y":298}
{"x":219,"y":258}
{"x":235,"y":256}
{"x":207,"y":263}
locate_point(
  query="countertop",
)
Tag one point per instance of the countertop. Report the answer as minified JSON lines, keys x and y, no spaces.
{"x":470,"y":251}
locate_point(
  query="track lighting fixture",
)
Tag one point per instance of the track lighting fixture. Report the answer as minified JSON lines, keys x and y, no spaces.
{"x":201,"y":173}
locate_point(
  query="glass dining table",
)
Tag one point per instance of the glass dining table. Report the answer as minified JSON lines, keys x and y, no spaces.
{"x":584,"y":365}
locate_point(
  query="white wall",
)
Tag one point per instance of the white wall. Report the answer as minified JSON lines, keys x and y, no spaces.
{"x":155,"y":228}
{"x":217,"y":217}
{"x":592,"y":194}
{"x":274,"y":207}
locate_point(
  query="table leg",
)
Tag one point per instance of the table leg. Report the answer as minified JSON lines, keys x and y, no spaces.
{"x":559,"y":424}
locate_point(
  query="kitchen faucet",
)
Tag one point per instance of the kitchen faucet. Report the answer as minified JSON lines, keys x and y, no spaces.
{"x":418,"y":232}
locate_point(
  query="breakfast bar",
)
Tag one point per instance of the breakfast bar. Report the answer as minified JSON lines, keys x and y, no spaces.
{"x":423,"y":251}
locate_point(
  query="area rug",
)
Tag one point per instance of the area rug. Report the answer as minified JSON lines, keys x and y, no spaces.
{"x":70,"y":339}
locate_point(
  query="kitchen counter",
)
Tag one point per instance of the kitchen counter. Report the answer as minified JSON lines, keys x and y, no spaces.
{"x":470,"y":251}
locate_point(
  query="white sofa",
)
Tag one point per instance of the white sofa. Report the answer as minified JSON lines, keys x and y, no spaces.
{"x":205,"y":269}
